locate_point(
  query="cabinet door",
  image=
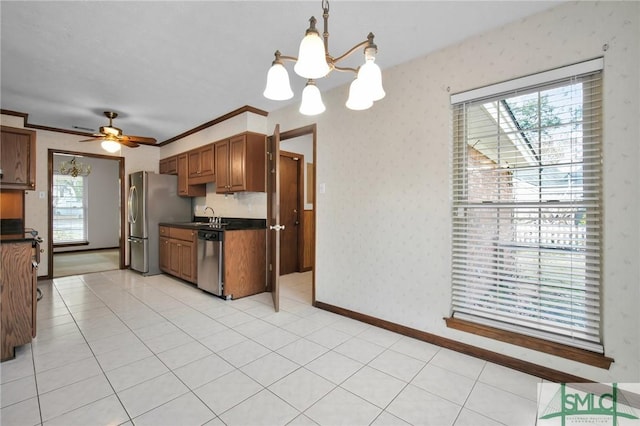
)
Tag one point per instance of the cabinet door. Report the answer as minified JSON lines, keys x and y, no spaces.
{"x":169,"y":166}
{"x":207,"y":161}
{"x":17,"y":158}
{"x":222,"y":166}
{"x":187,"y":262}
{"x":174,"y":257}
{"x":183,"y":183}
{"x":165,"y":254}
{"x":237,"y":163}
{"x":194,"y":164}
{"x":16,"y":294}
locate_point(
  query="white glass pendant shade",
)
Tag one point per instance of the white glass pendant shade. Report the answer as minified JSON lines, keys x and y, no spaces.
{"x":312,"y":61}
{"x":278,"y":86}
{"x":110,"y":146}
{"x":359,"y":96}
{"x":311,"y":100}
{"x":371,"y":78}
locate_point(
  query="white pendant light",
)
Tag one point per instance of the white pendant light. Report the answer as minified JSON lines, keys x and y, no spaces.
{"x":311,"y":100}
{"x":371,"y":78}
{"x":110,"y":146}
{"x":359,"y":98}
{"x":278,"y":86}
{"x":312,"y":60}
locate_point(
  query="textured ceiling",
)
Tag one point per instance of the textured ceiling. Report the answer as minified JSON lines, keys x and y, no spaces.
{"x":168,"y":66}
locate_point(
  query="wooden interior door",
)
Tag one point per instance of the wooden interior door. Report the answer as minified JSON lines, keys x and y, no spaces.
{"x":290,"y":212}
{"x":273,"y":216}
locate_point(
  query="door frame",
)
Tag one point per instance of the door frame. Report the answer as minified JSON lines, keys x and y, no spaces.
{"x":311,"y":129}
{"x":50,"y":167}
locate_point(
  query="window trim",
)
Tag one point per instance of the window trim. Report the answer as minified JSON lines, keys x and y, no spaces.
{"x":558,"y":348}
{"x":529,"y":81}
{"x":541,"y":345}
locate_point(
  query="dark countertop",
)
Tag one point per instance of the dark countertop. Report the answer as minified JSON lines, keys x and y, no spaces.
{"x":228,"y":224}
{"x":18,"y":238}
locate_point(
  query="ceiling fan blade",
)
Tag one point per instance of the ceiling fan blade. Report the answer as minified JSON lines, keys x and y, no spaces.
{"x":95,"y":139}
{"x":138,"y":139}
{"x":128,"y":143}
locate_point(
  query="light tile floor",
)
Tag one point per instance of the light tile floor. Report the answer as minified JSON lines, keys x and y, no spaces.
{"x":118,"y":348}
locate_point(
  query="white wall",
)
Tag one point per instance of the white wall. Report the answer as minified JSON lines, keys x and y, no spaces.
{"x":36,"y":208}
{"x":103,"y":201}
{"x":383,"y":225}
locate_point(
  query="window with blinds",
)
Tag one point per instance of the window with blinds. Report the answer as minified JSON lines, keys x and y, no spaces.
{"x":69,"y":209}
{"x":526,"y":208}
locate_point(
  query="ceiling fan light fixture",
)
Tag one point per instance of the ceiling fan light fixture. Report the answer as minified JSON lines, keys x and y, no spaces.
{"x":110,"y":146}
{"x":111,"y":131}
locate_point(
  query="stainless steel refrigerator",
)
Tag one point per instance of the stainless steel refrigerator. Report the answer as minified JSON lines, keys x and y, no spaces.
{"x":153,"y":199}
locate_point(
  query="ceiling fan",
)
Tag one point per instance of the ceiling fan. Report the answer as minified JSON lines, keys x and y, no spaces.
{"x":114,"y":135}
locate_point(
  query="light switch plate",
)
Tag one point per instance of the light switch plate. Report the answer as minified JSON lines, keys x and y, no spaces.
{"x":42,"y":195}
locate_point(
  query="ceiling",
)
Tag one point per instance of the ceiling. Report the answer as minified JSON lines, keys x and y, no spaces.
{"x":169,"y":66}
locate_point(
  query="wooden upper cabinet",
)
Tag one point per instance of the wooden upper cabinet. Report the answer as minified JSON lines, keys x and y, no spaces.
{"x":184,"y":187}
{"x":169,"y":165}
{"x":17,"y":158}
{"x":202,"y":165}
{"x":222,"y":166}
{"x":241,"y":164}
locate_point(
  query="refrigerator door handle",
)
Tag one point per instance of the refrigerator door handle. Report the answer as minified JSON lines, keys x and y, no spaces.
{"x":133,"y":210}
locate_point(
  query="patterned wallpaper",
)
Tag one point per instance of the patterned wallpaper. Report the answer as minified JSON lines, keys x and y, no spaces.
{"x":383,"y":226}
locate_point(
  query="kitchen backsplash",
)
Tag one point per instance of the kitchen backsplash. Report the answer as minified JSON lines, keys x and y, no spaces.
{"x":242,"y":204}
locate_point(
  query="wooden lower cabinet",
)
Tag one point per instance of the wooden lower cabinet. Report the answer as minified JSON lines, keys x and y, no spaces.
{"x":179,"y":252}
{"x":18,"y":297}
{"x":245,"y":262}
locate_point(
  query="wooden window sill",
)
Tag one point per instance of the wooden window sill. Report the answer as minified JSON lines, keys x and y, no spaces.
{"x":78,"y":244}
{"x":534,"y":343}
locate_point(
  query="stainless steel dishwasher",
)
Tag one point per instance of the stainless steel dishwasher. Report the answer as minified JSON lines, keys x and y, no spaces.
{"x":210,"y":264}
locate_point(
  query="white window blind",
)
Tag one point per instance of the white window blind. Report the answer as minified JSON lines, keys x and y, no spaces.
{"x":527,"y":206}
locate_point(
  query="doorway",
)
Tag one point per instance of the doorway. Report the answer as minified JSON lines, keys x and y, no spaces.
{"x":105,"y":184}
{"x":298,"y":143}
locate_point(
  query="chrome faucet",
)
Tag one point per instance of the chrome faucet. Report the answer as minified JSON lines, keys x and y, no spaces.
{"x":211,"y":218}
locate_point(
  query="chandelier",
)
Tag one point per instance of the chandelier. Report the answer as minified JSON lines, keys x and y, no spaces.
{"x":314,"y":61}
{"x":74,"y":168}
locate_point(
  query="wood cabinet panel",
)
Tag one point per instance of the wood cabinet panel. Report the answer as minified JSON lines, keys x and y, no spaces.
{"x":244,"y":262}
{"x":241,"y":164}
{"x":222,"y":166}
{"x":164,"y":254}
{"x":169,"y":165}
{"x":17,"y":297}
{"x":202,"y":165}
{"x":17,"y":158}
{"x":185,"y":189}
{"x":178,"y":252}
